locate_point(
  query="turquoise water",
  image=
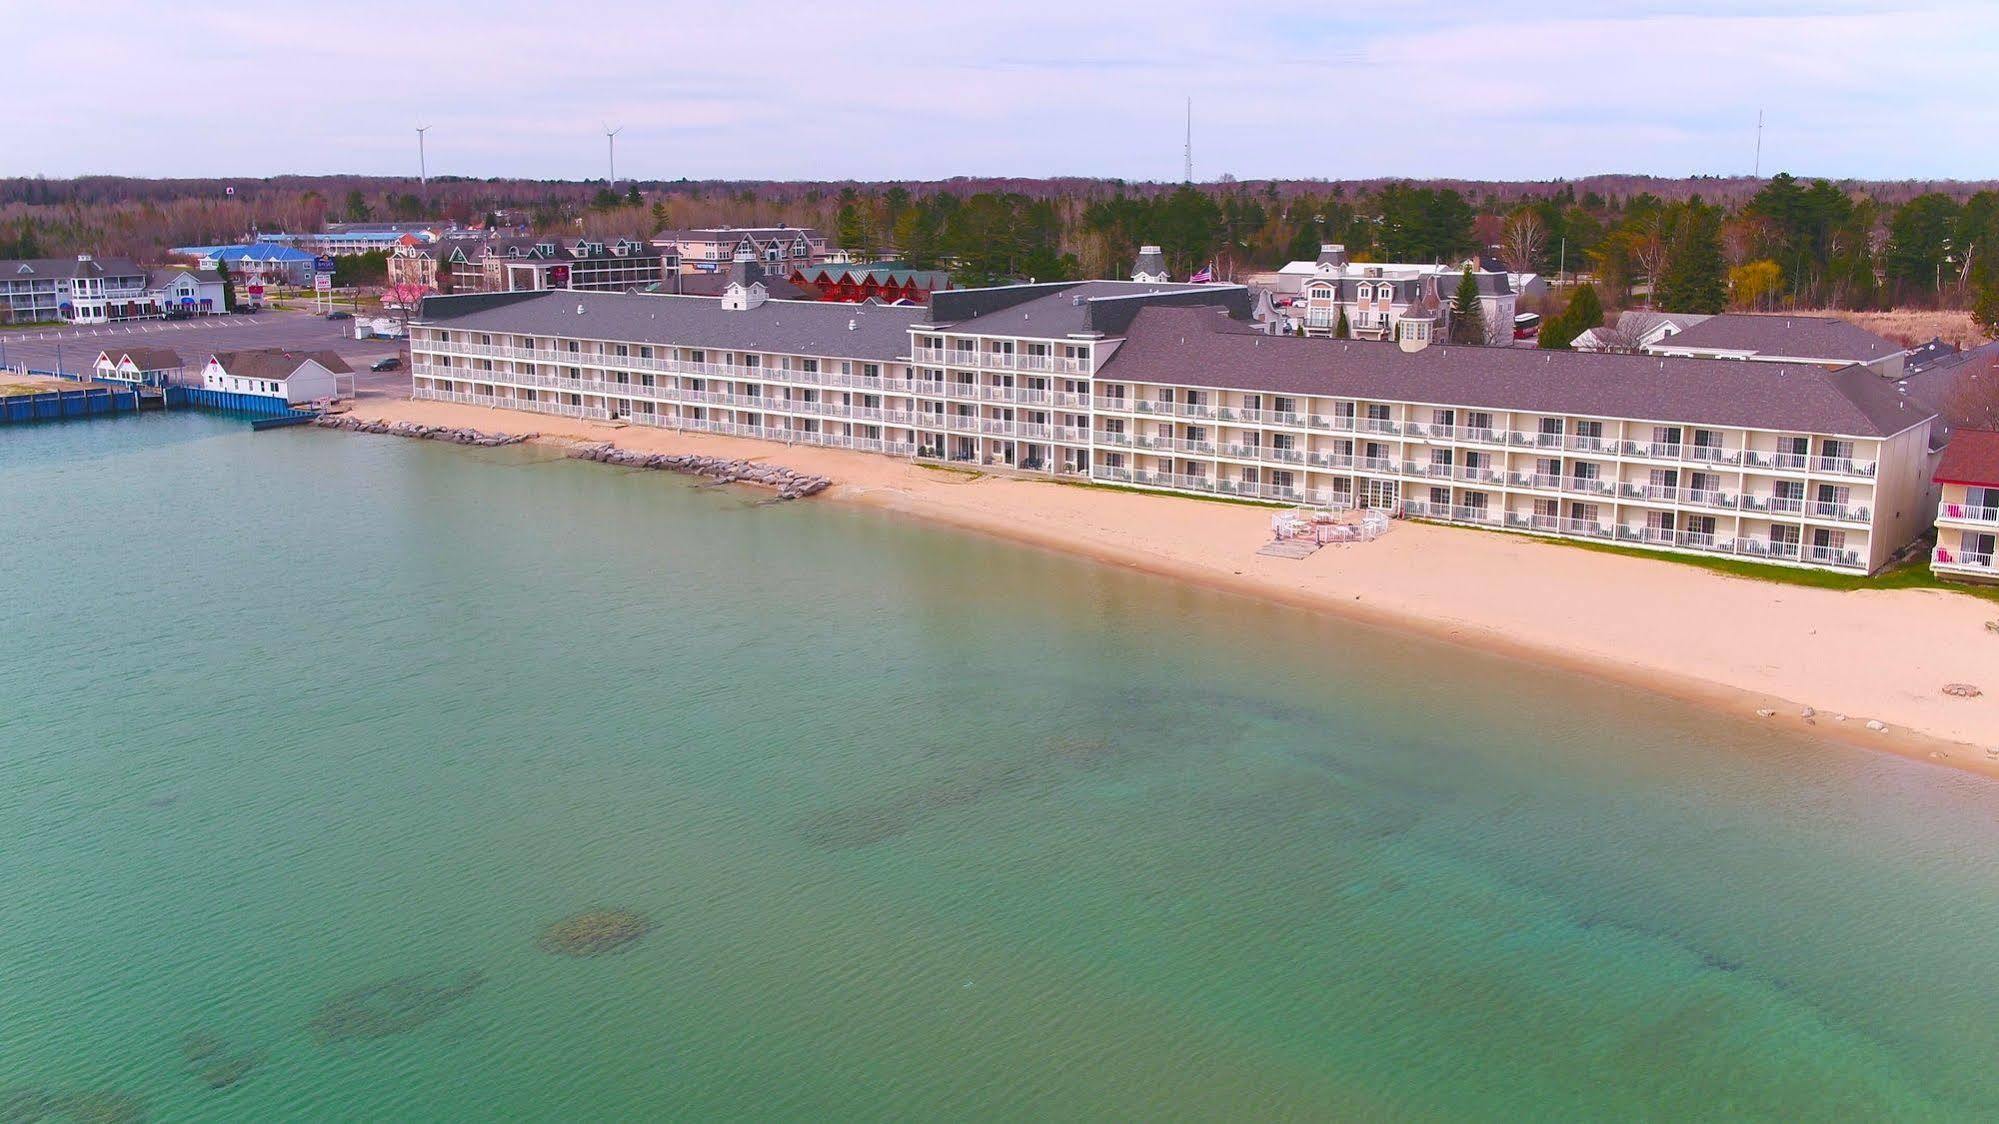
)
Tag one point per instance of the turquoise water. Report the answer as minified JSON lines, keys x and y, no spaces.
{"x":927,"y":826}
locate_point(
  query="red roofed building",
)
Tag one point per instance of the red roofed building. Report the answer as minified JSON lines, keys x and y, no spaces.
{"x":1968,"y":515}
{"x":886,"y":282}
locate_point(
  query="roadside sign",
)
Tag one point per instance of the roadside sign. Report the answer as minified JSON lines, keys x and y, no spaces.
{"x":322,"y":264}
{"x":322,"y":282}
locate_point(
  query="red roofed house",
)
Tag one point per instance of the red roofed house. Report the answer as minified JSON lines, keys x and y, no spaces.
{"x":1968,"y":516}
{"x":886,"y":282}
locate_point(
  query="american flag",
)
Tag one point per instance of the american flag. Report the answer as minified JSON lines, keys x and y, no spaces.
{"x":1203,"y":276}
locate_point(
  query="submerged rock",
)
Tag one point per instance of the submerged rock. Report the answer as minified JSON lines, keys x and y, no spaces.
{"x":394,"y":1006}
{"x":1961,"y":690}
{"x":200,"y":1045}
{"x":594,"y":932}
{"x":229,"y":1071}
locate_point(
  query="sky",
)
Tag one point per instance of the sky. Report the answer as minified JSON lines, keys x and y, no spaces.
{"x":1873,"y":89}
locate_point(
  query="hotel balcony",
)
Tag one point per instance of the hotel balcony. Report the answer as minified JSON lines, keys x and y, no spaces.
{"x":1949,"y":560}
{"x":1968,"y":513}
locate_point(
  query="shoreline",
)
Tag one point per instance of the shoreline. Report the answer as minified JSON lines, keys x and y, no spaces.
{"x":1768,"y":647}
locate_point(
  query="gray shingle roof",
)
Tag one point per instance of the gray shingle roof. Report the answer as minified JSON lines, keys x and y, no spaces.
{"x":68,"y":267}
{"x":277,"y":363}
{"x":1197,"y":347}
{"x":1792,"y":337}
{"x":148,"y":358}
{"x":879,"y":333}
{"x":1059,"y":309}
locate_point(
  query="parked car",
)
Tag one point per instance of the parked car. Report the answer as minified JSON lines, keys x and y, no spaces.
{"x":179,"y":314}
{"x":336,"y":314}
{"x":390,"y":364}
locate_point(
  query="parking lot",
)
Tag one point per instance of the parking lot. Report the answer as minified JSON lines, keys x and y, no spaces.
{"x":196,"y":339}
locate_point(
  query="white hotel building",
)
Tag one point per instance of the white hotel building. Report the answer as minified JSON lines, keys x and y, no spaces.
{"x":1165,"y":387}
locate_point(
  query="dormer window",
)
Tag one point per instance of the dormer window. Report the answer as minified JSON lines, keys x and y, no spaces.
{"x":1367,"y":292}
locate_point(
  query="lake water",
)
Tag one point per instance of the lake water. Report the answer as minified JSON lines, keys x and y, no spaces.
{"x":306,"y":737}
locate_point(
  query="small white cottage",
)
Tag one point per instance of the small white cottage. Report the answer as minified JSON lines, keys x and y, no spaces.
{"x":141,"y":366}
{"x":295,"y":376}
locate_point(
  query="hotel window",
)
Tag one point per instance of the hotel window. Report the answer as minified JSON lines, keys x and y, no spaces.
{"x":1593,"y":430}
{"x":1551,"y":427}
{"x":1547,"y":509}
{"x":1444,"y":419}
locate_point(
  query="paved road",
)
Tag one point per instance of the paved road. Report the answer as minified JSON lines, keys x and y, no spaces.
{"x":195,"y":339}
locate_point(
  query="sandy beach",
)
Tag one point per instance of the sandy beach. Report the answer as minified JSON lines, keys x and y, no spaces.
{"x":1736,"y":644}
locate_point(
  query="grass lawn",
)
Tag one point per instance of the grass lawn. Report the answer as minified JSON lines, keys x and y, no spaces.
{"x":1204,"y":497}
{"x":1912,"y":574}
{"x":33,"y":326}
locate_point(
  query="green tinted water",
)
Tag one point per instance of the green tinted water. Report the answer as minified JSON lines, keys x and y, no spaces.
{"x":927,"y":826}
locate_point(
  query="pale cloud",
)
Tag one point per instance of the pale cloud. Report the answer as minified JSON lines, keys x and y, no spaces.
{"x":1868,"y":88}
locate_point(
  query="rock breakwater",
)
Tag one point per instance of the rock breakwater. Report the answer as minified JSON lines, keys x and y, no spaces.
{"x":787,"y":483}
{"x":452,"y":434}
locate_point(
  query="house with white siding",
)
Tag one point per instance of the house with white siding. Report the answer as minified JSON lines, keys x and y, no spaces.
{"x":139,"y":366}
{"x":295,"y":376}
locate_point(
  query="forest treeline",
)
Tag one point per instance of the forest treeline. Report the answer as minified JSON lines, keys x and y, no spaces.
{"x":1695,"y":245}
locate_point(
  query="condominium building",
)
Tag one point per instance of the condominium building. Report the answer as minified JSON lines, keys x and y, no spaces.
{"x":1968,"y":511}
{"x":79,"y":290}
{"x":779,"y":249}
{"x":462,"y":265}
{"x":1166,"y":387}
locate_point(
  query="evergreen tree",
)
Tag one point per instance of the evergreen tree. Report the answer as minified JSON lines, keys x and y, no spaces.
{"x":1919,"y":239}
{"x":1467,"y":318}
{"x":1695,"y":278}
{"x":228,"y":286}
{"x":1986,"y":310}
{"x":632,"y":196}
{"x":1585,"y":311}
{"x":1342,"y":329}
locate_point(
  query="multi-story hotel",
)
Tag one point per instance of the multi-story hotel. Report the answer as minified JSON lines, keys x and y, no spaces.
{"x":79,"y":290}
{"x":1165,"y":386}
{"x":1968,"y":510}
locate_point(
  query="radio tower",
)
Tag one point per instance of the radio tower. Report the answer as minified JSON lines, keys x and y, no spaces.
{"x":1188,"y":173}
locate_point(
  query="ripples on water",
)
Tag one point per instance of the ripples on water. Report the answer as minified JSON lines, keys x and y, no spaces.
{"x":308,"y":767}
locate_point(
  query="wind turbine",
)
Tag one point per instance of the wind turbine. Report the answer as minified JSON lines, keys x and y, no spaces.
{"x":422,"y":169}
{"x":611,"y":146}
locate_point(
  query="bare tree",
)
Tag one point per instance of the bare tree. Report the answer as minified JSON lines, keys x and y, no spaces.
{"x":1630,"y":331}
{"x":1648,"y":248}
{"x":1522,"y":241}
